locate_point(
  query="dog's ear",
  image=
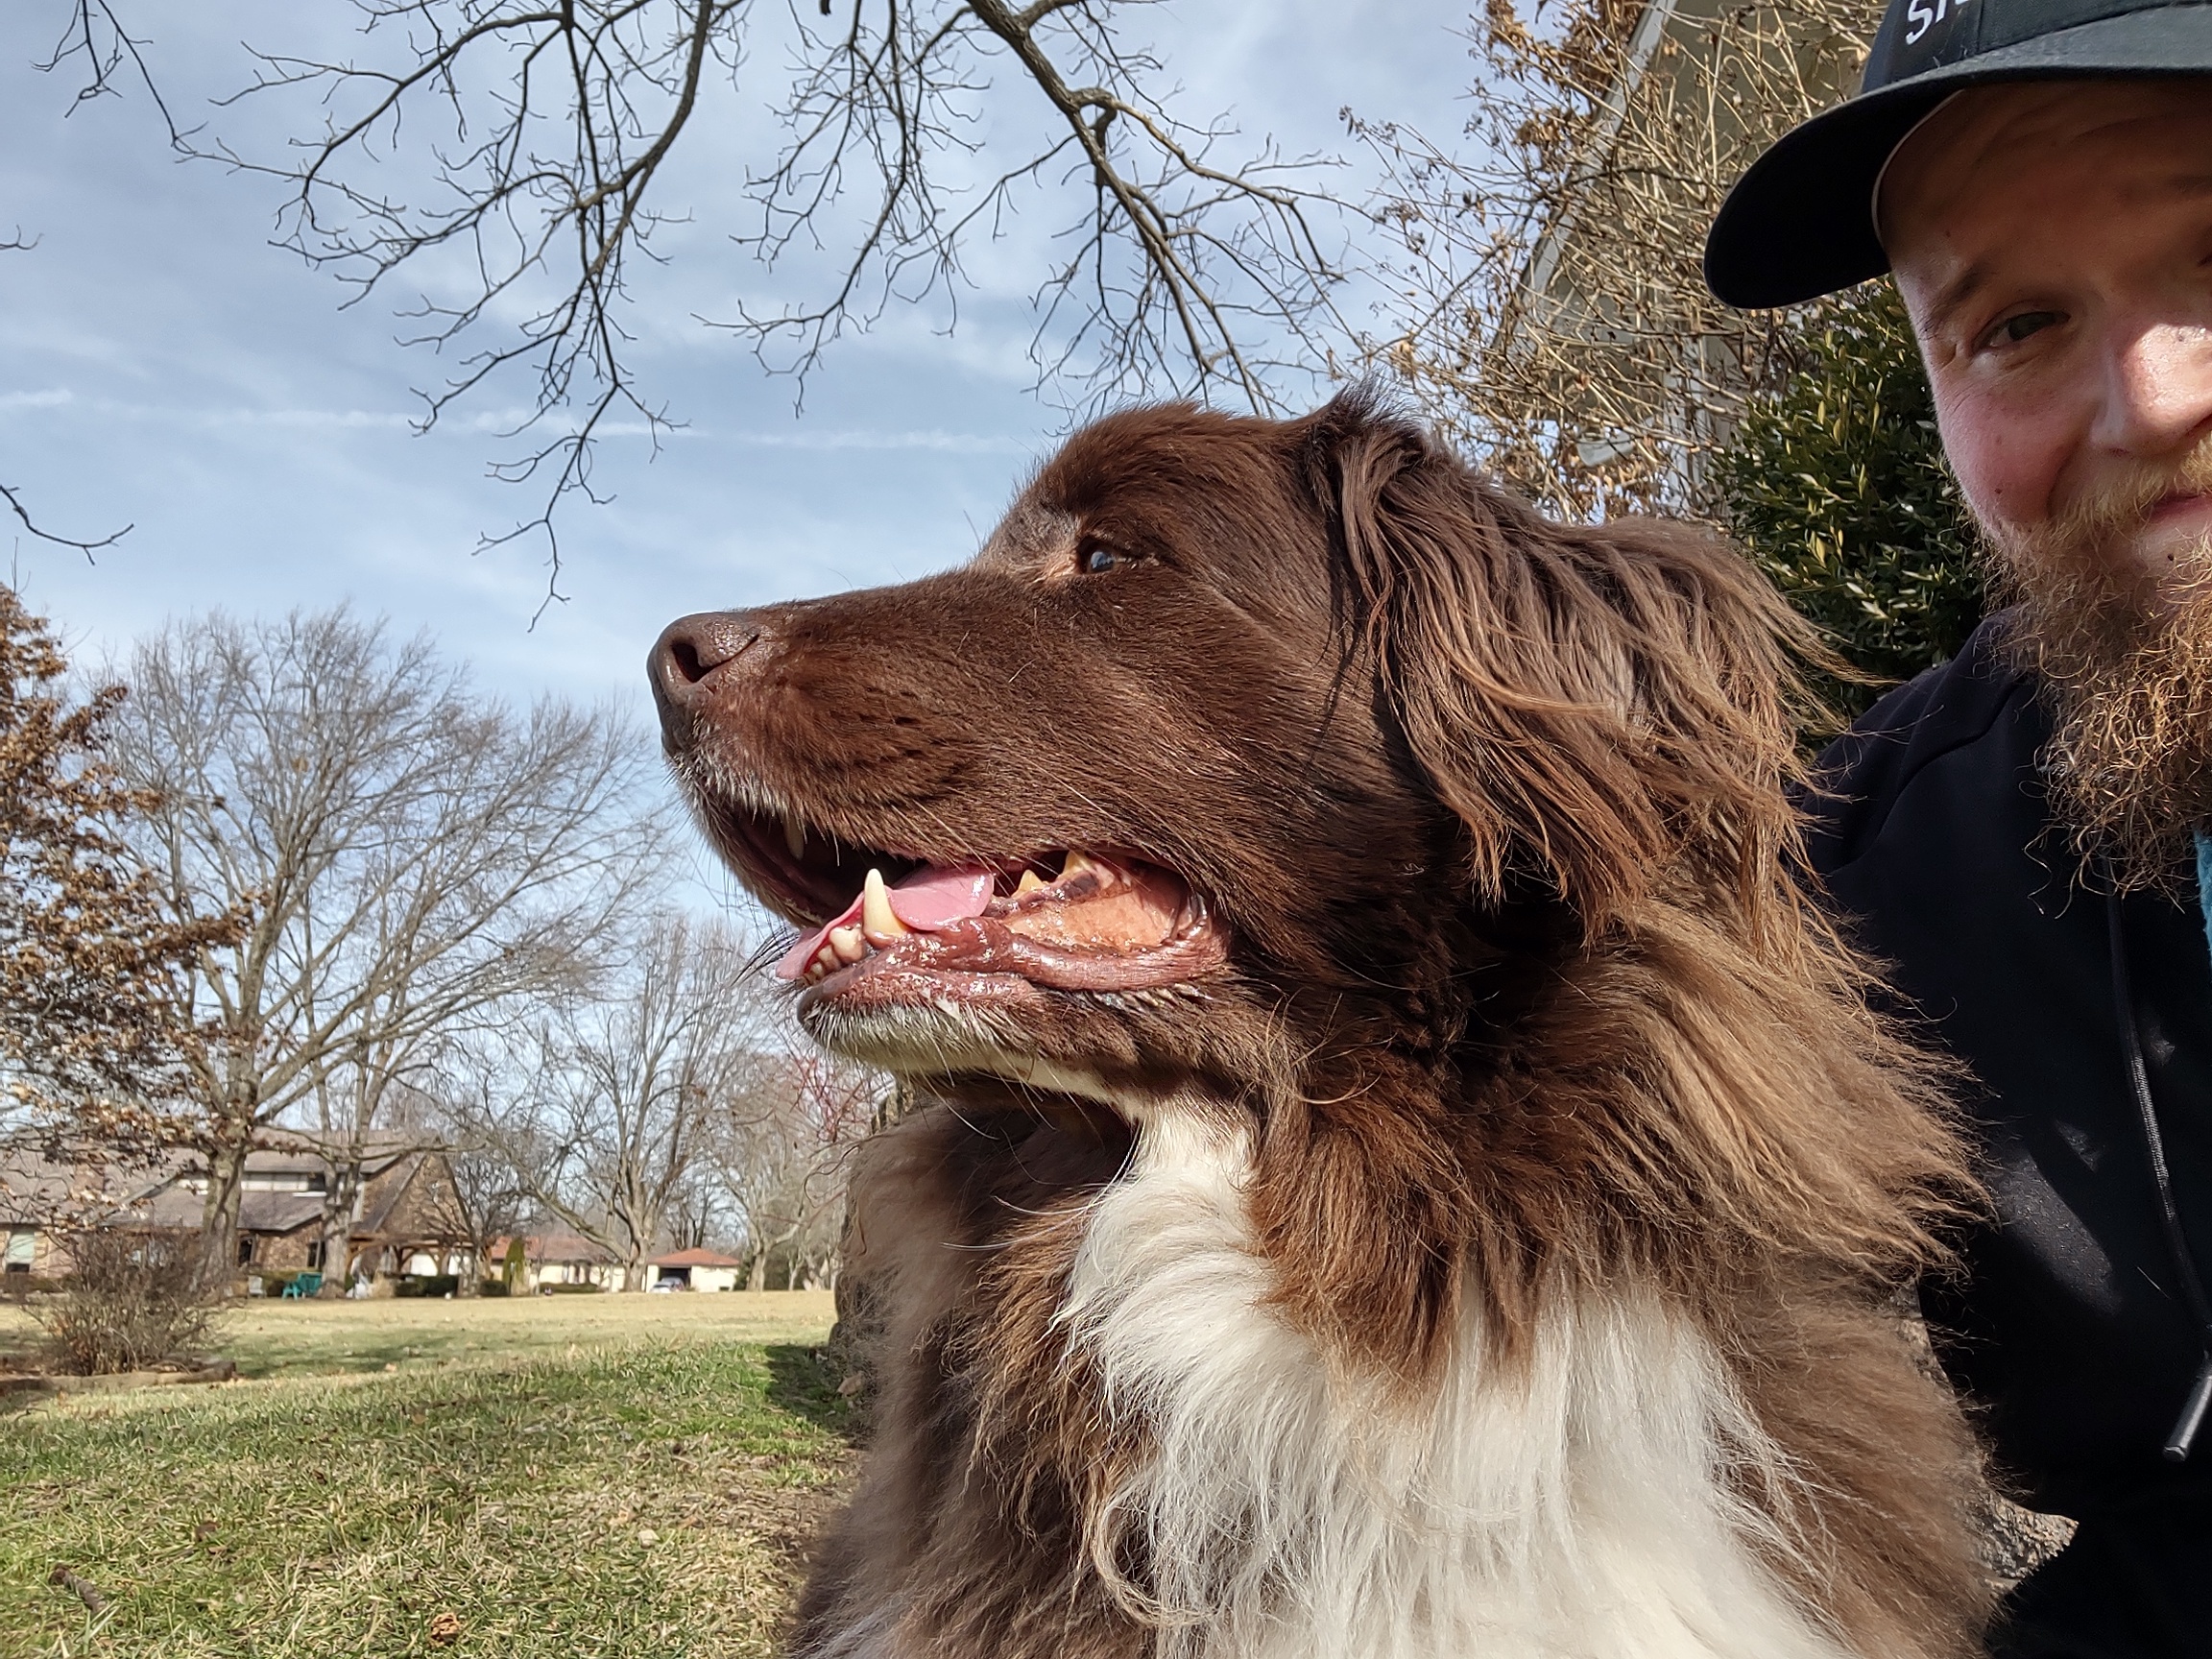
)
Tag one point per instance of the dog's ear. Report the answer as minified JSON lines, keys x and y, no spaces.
{"x":1604,"y":707}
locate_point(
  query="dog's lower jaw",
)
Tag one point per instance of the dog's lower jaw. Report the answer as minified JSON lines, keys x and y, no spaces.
{"x":1587,"y":1505}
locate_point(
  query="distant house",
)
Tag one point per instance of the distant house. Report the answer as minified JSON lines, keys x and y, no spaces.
{"x":696,"y":1269}
{"x":36,"y":1193}
{"x":401,"y":1215}
{"x":550,"y":1259}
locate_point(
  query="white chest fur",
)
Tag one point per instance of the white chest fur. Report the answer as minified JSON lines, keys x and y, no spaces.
{"x":1583,"y":1508}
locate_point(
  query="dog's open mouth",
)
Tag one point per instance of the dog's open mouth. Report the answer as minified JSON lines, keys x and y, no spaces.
{"x":979,"y":927}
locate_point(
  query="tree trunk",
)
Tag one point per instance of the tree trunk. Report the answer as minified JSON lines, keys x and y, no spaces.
{"x":338,"y":1217}
{"x":219,"y":1215}
{"x":757,"y":1271}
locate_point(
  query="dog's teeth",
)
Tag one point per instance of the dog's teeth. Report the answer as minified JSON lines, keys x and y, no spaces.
{"x":1080,"y":863}
{"x":849,"y":944}
{"x":795,"y":837}
{"x":1030,"y":882}
{"x":878,"y":920}
{"x":946,"y":1007}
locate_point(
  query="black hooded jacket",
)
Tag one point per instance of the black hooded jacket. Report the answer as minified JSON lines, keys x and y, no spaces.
{"x":2071,"y":1328}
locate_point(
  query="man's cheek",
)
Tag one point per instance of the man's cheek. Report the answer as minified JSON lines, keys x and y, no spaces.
{"x":2007,"y":462}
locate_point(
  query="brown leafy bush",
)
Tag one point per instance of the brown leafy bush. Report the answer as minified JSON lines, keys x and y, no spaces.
{"x":133,"y":1301}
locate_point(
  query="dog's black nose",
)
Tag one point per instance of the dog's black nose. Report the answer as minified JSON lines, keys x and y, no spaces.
{"x":686,"y":660}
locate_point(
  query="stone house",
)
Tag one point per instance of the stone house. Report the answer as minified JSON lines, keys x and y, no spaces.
{"x":403,"y":1216}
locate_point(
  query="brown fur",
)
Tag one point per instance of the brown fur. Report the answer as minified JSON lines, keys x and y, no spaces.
{"x":1521,"y":1000}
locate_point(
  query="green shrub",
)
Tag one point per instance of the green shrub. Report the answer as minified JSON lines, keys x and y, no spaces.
{"x":1838,"y":486}
{"x":492,"y":1288}
{"x":571,"y":1289}
{"x":426,"y":1284}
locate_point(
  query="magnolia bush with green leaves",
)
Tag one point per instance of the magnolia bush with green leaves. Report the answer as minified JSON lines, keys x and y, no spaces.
{"x":1837,"y":485}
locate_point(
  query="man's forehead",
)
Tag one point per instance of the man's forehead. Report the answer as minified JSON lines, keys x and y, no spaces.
{"x":1978,"y":183}
{"x":1991,"y":137}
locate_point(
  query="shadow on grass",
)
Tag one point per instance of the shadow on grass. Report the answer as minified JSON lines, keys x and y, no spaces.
{"x":804,"y":1384}
{"x":365,"y":1353}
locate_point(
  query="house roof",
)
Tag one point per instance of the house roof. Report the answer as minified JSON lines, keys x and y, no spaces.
{"x":278,"y":1212}
{"x":559,"y":1247}
{"x":175,"y":1206}
{"x":692,"y":1259}
{"x":284,"y":1151}
{"x":39,"y":1192}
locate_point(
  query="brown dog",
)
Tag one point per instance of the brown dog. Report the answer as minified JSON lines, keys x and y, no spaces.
{"x":1408,"y":1176}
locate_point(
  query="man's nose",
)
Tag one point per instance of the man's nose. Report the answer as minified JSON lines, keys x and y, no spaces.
{"x":695,"y":660}
{"x":2158,"y":388}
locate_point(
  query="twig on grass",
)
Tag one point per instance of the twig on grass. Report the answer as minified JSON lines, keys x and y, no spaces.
{"x":83,"y":1589}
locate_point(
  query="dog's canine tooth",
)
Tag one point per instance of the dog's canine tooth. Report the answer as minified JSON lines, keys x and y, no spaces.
{"x":878,"y":920}
{"x":795,"y":837}
{"x":1030,"y":882}
{"x":1079,"y":862}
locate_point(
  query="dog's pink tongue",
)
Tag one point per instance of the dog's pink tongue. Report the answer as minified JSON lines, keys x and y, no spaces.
{"x":937,"y":897}
{"x":932,"y":898}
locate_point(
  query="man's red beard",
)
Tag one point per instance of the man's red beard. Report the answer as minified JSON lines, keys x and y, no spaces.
{"x":2124,"y":655}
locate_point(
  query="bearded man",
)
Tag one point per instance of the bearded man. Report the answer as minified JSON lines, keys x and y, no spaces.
{"x":2021,"y":833}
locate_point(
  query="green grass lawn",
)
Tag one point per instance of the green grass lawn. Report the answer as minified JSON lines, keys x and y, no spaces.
{"x":572,"y":1475}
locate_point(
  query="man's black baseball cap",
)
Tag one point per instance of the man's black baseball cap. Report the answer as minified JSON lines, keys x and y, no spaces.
{"x":1801,"y":222}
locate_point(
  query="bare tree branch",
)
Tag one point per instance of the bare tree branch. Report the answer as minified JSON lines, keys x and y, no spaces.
{"x":1551,"y":311}
{"x":94,"y":41}
{"x":88,"y":548}
{"x":549,"y":131}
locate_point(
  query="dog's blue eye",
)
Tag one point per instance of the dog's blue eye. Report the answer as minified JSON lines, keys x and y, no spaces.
{"x":1096,"y":560}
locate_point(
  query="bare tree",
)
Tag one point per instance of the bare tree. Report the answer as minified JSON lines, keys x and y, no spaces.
{"x":612,"y":1106}
{"x":488,"y":1195}
{"x":415,"y":856}
{"x":509,"y":157}
{"x":1552,"y":310}
{"x":782,"y":1157}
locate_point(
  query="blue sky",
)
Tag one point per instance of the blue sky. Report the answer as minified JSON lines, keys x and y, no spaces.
{"x":162,"y":365}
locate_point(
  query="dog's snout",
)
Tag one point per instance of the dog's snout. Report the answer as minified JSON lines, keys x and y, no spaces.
{"x":687,"y":658}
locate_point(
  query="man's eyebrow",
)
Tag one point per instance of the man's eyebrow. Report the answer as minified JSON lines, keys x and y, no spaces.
{"x":1954,"y":295}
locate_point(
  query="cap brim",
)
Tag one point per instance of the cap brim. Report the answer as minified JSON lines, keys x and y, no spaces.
{"x":1800,"y":223}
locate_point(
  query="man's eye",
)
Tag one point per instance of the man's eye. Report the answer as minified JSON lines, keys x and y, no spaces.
{"x":2014,"y":329}
{"x":1094,"y":561}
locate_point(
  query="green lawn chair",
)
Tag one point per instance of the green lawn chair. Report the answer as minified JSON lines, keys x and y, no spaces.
{"x":302,"y":1285}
